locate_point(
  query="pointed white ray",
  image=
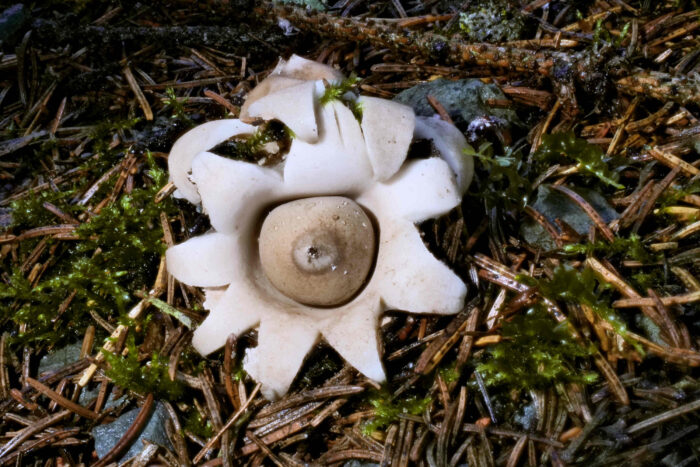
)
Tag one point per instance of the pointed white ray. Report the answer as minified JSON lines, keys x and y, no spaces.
{"x":303,"y":68}
{"x":422,"y":189}
{"x":388,"y":130}
{"x":272,"y":83}
{"x":354,"y":336}
{"x":227,"y":316}
{"x":294,"y":106}
{"x":337,"y":163}
{"x":410,"y":278}
{"x":452,"y":145}
{"x":284,"y":339}
{"x":233,"y":192}
{"x":204,"y":261}
{"x":198,"y":139}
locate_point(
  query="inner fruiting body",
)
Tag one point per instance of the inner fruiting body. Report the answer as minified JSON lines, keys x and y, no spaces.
{"x":317,"y":251}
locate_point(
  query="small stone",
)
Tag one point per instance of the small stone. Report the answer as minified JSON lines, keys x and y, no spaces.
{"x":108,"y":435}
{"x":465,"y":100}
{"x":556,"y":205}
{"x":59,"y":358}
{"x":11,"y":21}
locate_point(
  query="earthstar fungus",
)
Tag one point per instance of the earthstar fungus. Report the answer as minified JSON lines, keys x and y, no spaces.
{"x":322,"y":243}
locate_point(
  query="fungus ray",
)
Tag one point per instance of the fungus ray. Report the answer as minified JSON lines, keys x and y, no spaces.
{"x":283,"y":342}
{"x":388,"y":130}
{"x":354,"y":336}
{"x":229,"y":188}
{"x":421,"y":190}
{"x":202,"y":261}
{"x":228,"y":315}
{"x":410,"y":278}
{"x":198,"y":139}
{"x":337,"y":163}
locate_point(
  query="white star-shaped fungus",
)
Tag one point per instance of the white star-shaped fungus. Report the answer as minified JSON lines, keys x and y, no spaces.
{"x":345,"y":197}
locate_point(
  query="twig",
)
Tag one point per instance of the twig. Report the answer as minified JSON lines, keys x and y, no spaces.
{"x":62,"y":401}
{"x":228,"y":425}
{"x":664,"y":417}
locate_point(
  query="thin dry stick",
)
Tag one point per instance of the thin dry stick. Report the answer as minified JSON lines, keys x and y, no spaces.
{"x":621,"y":128}
{"x":228,"y":424}
{"x":672,"y":161}
{"x":143,"y":102}
{"x":62,"y":401}
{"x":664,"y":417}
{"x":27,"y":432}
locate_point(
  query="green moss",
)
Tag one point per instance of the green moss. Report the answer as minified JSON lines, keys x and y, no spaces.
{"x":388,"y":409}
{"x":581,"y":287}
{"x":198,"y":425}
{"x":29,"y":212}
{"x":651,"y":279}
{"x":176,"y":106}
{"x":631,"y":248}
{"x":102,"y":134}
{"x":449,"y":373}
{"x":678,"y":191}
{"x":251,"y":147}
{"x":117,"y":255}
{"x":142,"y":377}
{"x":506,"y":186}
{"x":535,"y":352}
{"x":338,"y":91}
{"x":589,"y":157}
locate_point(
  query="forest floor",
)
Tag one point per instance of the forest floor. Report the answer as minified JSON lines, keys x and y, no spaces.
{"x":578,"y":238}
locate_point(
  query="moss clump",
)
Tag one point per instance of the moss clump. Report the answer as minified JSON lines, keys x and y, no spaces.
{"x":581,"y":287}
{"x":535,"y":352}
{"x":102,"y":134}
{"x":178,"y":109}
{"x":129,"y":372}
{"x":506,"y":186}
{"x":198,"y":425}
{"x":117,"y":255}
{"x":29,"y":211}
{"x":590,"y":158}
{"x":388,"y":409}
{"x":678,"y":191}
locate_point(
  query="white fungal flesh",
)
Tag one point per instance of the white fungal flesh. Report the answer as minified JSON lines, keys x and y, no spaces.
{"x":267,"y":86}
{"x":198,"y":261}
{"x":337,"y":163}
{"x":452,"y":145}
{"x":303,"y":68}
{"x":230,"y":188}
{"x":198,"y":139}
{"x":421,"y":190}
{"x":388,"y":130}
{"x":332,"y":154}
{"x":295,"y":106}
